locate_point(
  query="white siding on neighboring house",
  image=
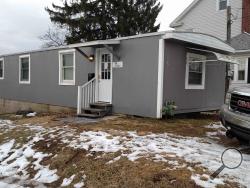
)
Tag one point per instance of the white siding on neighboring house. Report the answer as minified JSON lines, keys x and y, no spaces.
{"x":243,"y":66}
{"x":206,"y":18}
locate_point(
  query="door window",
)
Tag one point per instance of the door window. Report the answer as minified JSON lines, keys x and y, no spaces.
{"x":106,"y":67}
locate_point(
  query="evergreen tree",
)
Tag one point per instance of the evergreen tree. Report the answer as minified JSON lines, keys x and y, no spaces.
{"x":87,"y":20}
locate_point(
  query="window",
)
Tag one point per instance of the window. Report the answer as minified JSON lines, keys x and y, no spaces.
{"x":240,"y":71}
{"x":67,"y":67}
{"x":222,"y":4}
{"x":195,"y":71}
{"x":24,"y":69}
{"x":1,"y":69}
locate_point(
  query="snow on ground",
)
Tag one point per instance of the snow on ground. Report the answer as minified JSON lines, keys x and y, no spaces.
{"x":15,"y":159}
{"x":67,"y":181}
{"x":205,"y":152}
{"x":159,"y":147}
{"x":33,"y":114}
{"x":6,"y":185}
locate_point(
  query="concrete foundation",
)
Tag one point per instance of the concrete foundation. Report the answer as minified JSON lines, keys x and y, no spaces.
{"x":10,"y":106}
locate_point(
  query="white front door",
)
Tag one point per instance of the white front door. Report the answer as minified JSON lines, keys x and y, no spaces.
{"x":105,"y":76}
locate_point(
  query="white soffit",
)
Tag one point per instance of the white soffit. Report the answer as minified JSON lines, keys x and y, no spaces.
{"x":200,"y":39}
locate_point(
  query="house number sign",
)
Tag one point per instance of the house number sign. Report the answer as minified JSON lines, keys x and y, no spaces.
{"x":118,"y":64}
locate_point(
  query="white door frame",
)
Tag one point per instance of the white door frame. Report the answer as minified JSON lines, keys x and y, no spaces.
{"x":98,"y":53}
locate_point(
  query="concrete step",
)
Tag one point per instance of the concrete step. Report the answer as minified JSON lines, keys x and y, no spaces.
{"x":97,"y":110}
{"x":101,"y":105}
{"x":91,"y":116}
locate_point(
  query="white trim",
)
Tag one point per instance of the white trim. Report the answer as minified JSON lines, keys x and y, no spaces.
{"x":67,"y":82}
{"x":2,"y":59}
{"x":97,"y":51}
{"x":197,"y":87}
{"x":21,"y":57}
{"x":160,"y":78}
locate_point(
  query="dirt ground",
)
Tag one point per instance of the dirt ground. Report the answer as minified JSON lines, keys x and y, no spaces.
{"x":97,"y":171}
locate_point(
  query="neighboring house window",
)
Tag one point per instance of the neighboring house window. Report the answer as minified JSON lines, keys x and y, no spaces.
{"x":67,"y":67}
{"x":24,"y":69}
{"x":1,"y":68}
{"x":195,"y":71}
{"x":222,"y":4}
{"x":240,"y":71}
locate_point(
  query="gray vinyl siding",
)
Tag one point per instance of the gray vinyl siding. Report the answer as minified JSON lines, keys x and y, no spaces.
{"x":211,"y":98}
{"x":205,"y":18}
{"x":44,"y":87}
{"x":135,"y":85}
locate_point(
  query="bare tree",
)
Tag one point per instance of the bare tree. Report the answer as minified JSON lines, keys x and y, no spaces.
{"x":53,"y":37}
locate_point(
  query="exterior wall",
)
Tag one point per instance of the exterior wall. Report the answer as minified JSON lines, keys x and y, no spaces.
{"x":10,"y":106}
{"x":246,"y":16}
{"x":135,"y":85}
{"x":44,"y":87}
{"x":205,"y":18}
{"x":211,"y":98}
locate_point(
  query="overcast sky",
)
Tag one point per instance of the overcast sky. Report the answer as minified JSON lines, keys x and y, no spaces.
{"x":23,"y":21}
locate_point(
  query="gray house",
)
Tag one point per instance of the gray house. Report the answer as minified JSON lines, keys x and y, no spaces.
{"x":135,"y":75}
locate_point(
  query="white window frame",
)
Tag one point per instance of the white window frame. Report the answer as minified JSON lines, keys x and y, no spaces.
{"x":67,"y":82}
{"x":20,"y":80}
{"x":218,"y":5}
{"x":2,"y":59}
{"x":236,"y":72}
{"x":190,"y":86}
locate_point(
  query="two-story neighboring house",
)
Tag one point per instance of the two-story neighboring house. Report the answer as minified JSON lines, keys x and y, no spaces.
{"x":210,"y":16}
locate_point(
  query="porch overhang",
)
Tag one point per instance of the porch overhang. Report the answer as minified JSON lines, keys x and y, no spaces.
{"x":219,"y":57}
{"x":97,"y":44}
{"x":200,"y":39}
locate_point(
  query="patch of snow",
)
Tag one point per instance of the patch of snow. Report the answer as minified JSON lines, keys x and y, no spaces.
{"x":45,"y":175}
{"x":5,"y":149}
{"x":6,"y":125}
{"x":114,"y":160}
{"x":31,"y":114}
{"x":160,"y":147}
{"x":97,"y":142}
{"x":15,"y":160}
{"x":209,"y":183}
{"x":81,"y":183}
{"x":215,"y":126}
{"x":67,"y":181}
{"x":6,"y":185}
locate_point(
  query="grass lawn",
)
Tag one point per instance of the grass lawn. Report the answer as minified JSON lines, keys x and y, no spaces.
{"x":119,"y":151}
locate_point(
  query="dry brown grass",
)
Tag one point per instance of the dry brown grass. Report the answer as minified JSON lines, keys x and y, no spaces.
{"x":194,"y":127}
{"x":123,"y":173}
